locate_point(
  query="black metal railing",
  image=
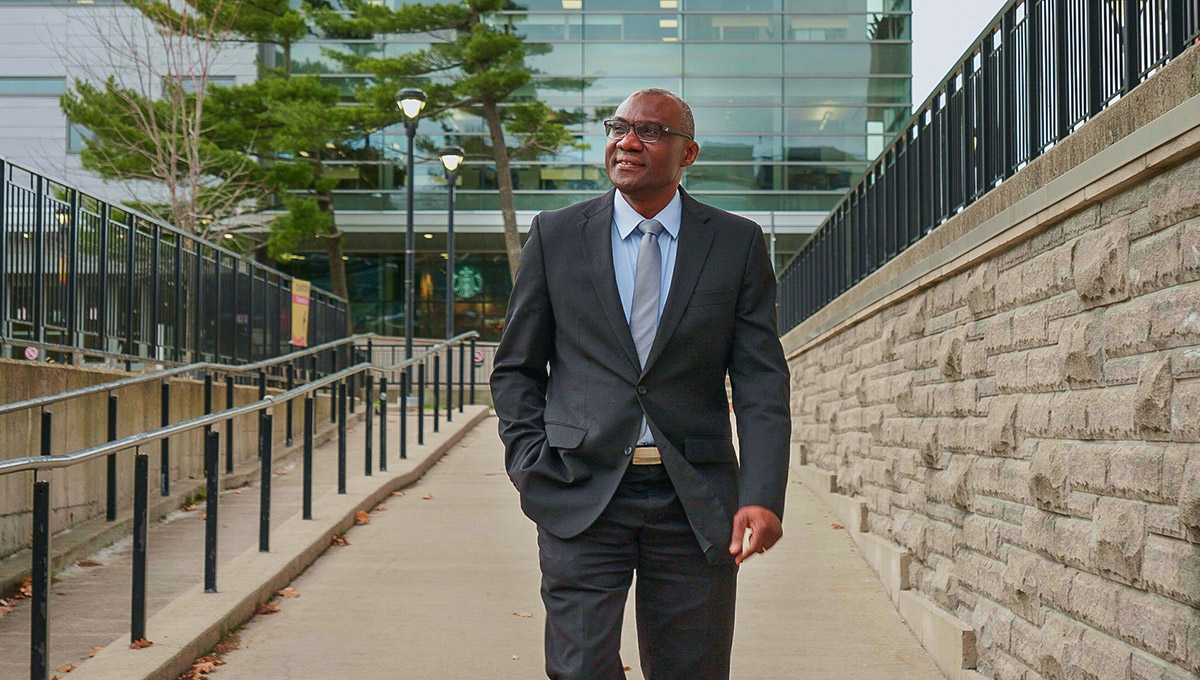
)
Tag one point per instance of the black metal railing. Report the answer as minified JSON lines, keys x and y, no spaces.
{"x":358,"y":377}
{"x":1039,"y":71}
{"x":79,"y":276}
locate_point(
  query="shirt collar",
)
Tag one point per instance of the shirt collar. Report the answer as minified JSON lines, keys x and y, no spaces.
{"x":627,"y":219}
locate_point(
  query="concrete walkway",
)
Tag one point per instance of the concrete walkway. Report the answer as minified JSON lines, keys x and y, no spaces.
{"x":431,"y":589}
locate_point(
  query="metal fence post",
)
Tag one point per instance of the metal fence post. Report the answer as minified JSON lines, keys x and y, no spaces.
{"x":212,"y":450}
{"x":39,"y":642}
{"x":47,"y":429}
{"x":262,"y":394}
{"x":308,"y":453}
{"x":130,"y":236}
{"x":229,"y":425}
{"x":1129,"y":34}
{"x":164,"y":458}
{"x":4,"y":170}
{"x":39,"y":265}
{"x":369,"y":423}
{"x":437,"y":388}
{"x":264,"y":498}
{"x":404,"y":385}
{"x":383,"y":423}
{"x":472,"y":371}
{"x":111,"y":463}
{"x":449,"y":383}
{"x":462,"y":355}
{"x":421,"y":403}
{"x":72,"y":276}
{"x":141,"y":482}
{"x":341,"y":427}
{"x":291,"y":385}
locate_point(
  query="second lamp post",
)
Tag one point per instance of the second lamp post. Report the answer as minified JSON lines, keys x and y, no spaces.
{"x":452,"y":157}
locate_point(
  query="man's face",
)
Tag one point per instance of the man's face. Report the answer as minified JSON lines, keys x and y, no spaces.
{"x":641,"y":169}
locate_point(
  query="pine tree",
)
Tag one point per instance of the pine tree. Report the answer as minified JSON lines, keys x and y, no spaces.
{"x":473,"y":65}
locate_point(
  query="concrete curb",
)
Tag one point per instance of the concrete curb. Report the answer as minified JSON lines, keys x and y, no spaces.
{"x":949,"y":641}
{"x":193,"y":623}
{"x":86,"y":538}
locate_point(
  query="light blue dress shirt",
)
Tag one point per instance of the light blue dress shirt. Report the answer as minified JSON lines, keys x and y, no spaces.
{"x":626,"y":239}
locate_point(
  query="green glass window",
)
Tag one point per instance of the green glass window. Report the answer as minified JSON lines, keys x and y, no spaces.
{"x":835,"y":59}
{"x":739,"y":148}
{"x":718,"y":120}
{"x":554,"y":58}
{"x":821,"y":27}
{"x":613,"y":91}
{"x":75,"y":135}
{"x":632,"y":59}
{"x":733,"y":60}
{"x":702,"y":91}
{"x":23,"y":86}
{"x":847,"y":90}
{"x":620,"y":27}
{"x":826,"y":148}
{"x":849,"y":6}
{"x":731,"y":5}
{"x":538,"y":27}
{"x":734,"y":27}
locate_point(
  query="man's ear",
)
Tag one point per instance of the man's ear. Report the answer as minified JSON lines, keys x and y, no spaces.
{"x":690,"y":152}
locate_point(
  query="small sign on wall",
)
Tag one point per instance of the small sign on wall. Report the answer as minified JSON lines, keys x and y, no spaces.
{"x":301,"y":290}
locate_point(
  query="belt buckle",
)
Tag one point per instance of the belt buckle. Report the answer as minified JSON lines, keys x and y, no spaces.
{"x":646,"y":455}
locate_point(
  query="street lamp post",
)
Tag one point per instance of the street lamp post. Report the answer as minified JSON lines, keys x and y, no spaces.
{"x":411,"y":101}
{"x":452,"y":157}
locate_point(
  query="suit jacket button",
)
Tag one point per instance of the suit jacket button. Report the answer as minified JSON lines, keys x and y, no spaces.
{"x":628,"y":450}
{"x":641,"y":390}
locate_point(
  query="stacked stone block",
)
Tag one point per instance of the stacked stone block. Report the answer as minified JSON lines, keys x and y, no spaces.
{"x":1029,"y":430}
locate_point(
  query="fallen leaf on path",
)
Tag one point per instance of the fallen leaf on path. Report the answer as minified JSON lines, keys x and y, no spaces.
{"x":397,"y":493}
{"x":340,"y":539}
{"x":203,"y":666}
{"x":281,"y":471}
{"x":5,"y":603}
{"x":189,"y":507}
{"x":204,"y":515}
{"x":89,"y":563}
{"x":524,"y":615}
{"x":95,"y":651}
{"x":5,"y":610}
{"x":239,"y":491}
{"x":228,"y":644}
{"x":361,"y":517}
{"x":379,"y":508}
{"x":26,"y":589}
{"x":140,"y":643}
{"x":68,"y":668}
{"x":290,"y":593}
{"x":427,"y":497}
{"x":265,"y":608}
{"x":628,"y":668}
{"x":838,"y":526}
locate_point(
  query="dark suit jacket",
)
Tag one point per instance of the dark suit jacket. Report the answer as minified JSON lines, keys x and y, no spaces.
{"x":569,"y":431}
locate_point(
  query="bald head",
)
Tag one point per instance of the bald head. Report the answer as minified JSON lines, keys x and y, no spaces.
{"x":685,"y":121}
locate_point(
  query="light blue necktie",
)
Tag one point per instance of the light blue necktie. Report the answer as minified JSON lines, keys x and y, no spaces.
{"x":647,"y":284}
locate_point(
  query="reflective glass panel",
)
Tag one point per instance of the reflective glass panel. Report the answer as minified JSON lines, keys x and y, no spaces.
{"x":619,"y":27}
{"x":847,"y":5}
{"x":734,"y":60}
{"x":32,"y":86}
{"x":632,"y":59}
{"x":835,"y":59}
{"x":701,"y":91}
{"x":554,"y":58}
{"x":731,"y":5}
{"x":743,"y":27}
{"x":613,"y":91}
{"x":847,"y":90}
{"x":717,"y":120}
{"x":538,"y":27}
{"x":739,"y":148}
{"x":825,"y":148}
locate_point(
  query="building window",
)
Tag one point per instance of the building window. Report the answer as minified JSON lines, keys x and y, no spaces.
{"x":75,"y":135}
{"x":32,"y":86}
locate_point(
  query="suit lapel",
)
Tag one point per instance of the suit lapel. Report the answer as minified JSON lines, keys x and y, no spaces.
{"x":690,"y":253}
{"x":596,"y":241}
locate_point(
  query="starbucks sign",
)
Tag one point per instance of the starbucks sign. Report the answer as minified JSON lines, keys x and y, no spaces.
{"x":468,"y":281}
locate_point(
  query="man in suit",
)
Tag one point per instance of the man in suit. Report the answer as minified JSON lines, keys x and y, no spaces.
{"x":627,"y":313}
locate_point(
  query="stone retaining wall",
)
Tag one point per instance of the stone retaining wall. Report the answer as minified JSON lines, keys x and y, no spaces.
{"x":1027,"y":428}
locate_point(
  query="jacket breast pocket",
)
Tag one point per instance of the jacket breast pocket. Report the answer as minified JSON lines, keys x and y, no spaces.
{"x":709,"y":450}
{"x":562,"y":436}
{"x":709,"y":298}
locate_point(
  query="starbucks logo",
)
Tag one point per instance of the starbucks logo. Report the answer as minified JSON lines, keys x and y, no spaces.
{"x":468,"y":281}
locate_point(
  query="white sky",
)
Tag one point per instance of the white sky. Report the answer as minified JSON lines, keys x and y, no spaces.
{"x":942,"y":31}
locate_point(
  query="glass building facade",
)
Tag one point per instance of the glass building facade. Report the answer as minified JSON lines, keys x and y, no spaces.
{"x":792,"y":100}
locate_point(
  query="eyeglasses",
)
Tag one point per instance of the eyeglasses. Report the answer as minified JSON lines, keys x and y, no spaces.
{"x":646,"y":131}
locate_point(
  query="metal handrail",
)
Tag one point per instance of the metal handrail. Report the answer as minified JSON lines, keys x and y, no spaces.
{"x":36,"y":463}
{"x":170,"y":372}
{"x":338,"y":381}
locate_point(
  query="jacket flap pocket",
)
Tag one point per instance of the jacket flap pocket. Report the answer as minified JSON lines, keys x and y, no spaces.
{"x":709,"y":450}
{"x":704,"y":298}
{"x":564,"y":436}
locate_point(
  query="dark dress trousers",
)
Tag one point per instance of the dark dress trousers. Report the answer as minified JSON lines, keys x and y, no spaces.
{"x":570,"y":393}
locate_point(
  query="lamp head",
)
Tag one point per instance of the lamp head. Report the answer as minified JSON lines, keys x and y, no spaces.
{"x":452,"y":157}
{"x":411,"y":101}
